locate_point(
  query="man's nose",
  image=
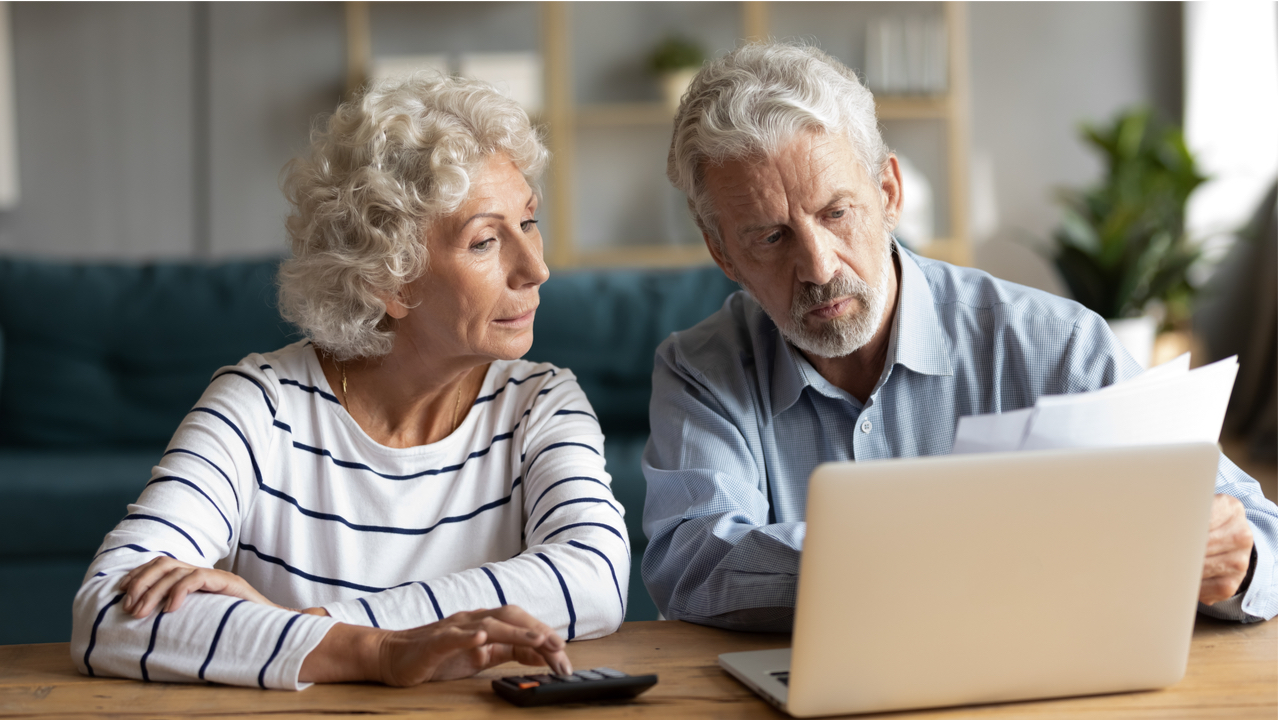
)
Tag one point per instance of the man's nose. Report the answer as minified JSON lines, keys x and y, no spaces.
{"x":816,"y":262}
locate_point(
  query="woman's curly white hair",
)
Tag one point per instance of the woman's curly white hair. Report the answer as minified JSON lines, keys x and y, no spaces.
{"x":380,"y":170}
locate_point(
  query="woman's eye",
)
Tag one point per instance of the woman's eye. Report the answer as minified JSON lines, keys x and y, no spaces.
{"x":527,"y":225}
{"x":482,"y":245}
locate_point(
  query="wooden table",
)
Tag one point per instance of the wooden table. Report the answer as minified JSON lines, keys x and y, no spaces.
{"x":1231,"y":673}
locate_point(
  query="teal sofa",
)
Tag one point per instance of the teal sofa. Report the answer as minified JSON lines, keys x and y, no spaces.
{"x":100,"y":362}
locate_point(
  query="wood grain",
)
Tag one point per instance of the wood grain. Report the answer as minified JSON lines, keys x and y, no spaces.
{"x":1231,"y":673}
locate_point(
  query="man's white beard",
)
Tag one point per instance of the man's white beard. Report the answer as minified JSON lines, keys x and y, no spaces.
{"x":848,"y":333}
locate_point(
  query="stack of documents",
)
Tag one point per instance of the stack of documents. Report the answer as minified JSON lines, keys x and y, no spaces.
{"x":1166,"y":404}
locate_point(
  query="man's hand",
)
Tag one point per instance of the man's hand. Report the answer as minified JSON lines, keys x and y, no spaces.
{"x":1226,"y":560}
{"x":169,"y":581}
{"x":459,"y":646}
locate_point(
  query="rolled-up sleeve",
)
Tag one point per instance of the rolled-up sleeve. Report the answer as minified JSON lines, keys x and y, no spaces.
{"x":1256,"y":602}
{"x":714,"y":557}
{"x":192,"y":510}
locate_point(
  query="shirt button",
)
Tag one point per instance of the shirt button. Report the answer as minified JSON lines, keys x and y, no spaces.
{"x":866,"y":426}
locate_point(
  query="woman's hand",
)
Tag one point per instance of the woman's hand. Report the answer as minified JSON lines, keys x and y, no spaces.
{"x":459,"y":646}
{"x":168,"y":581}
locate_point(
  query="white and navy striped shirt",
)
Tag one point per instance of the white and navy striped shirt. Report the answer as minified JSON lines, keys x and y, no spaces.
{"x":269,"y":477}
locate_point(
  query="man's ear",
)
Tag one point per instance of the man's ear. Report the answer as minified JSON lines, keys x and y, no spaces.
{"x":718,"y":255}
{"x":891,"y":190}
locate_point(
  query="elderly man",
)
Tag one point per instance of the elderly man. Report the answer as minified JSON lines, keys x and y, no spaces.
{"x":844,"y":346}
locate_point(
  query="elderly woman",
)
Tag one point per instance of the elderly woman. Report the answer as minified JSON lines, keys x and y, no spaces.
{"x":398,"y":498}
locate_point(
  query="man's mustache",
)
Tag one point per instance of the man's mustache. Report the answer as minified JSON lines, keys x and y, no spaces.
{"x":811,"y":295}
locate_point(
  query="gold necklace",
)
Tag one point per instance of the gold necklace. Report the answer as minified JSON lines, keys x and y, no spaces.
{"x":457,"y":399}
{"x":456,"y":402}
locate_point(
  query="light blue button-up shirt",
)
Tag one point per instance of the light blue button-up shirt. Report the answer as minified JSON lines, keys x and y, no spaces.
{"x":739,"y":419}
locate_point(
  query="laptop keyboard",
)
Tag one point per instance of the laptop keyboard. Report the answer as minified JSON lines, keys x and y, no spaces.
{"x":783,"y":676}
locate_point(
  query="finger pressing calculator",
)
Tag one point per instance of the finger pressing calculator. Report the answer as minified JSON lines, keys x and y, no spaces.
{"x":601,"y":683}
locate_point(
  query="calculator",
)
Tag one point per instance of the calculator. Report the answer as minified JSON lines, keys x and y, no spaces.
{"x":600,"y":683}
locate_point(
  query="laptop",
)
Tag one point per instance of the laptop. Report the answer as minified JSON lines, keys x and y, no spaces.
{"x":969,"y":579}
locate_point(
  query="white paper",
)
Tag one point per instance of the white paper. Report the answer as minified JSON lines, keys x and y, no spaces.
{"x":1175,"y":367}
{"x":995,"y":432}
{"x":1188,"y":407}
{"x":1167,"y":404}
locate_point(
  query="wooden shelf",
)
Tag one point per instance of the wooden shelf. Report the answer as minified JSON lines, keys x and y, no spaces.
{"x":624,"y":114}
{"x":913,"y":107}
{"x":562,"y":119}
{"x":648,"y":256}
{"x":949,"y":250}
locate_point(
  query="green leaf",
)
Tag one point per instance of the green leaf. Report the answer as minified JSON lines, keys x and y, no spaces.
{"x":1086,"y":279}
{"x":1121,"y":242}
{"x":1078,"y":232}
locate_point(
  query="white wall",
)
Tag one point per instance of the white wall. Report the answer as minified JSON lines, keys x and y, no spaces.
{"x":273,"y":68}
{"x":1231,"y":116}
{"x":158,"y":130}
{"x":1038,"y":70}
{"x":135,"y":142}
{"x":103,"y":102}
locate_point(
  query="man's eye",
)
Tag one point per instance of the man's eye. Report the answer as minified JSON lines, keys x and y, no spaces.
{"x":837,"y":214}
{"x":773,"y":238}
{"x":527,"y":225}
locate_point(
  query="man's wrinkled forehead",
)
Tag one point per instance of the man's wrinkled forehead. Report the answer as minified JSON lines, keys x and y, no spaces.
{"x":758,"y":175}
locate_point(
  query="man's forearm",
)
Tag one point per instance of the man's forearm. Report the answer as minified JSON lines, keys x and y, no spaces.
{"x":709,"y":571}
{"x":761,"y":619}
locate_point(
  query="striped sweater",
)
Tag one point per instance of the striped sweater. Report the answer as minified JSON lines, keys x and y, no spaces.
{"x":268,"y":477}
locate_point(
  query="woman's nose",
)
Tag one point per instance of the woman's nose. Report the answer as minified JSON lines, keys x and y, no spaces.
{"x":529,"y":267}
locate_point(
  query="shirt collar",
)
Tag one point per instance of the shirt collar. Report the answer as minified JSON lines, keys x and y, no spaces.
{"x":916,"y":342}
{"x":919,"y":342}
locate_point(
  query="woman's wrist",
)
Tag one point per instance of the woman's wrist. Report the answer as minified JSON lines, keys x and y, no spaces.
{"x":348,"y":653}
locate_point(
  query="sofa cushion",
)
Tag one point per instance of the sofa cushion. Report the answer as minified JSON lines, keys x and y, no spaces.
{"x":38,"y":607}
{"x":64,"y":503}
{"x":102,"y":355}
{"x":606,"y":324}
{"x":622,"y":452}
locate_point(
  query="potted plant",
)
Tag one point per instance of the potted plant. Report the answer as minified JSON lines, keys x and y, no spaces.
{"x":675,"y":61}
{"x":1122,"y":248}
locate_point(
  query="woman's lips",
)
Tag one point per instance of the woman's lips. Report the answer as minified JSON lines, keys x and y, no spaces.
{"x":831,"y":310}
{"x":518,"y":321}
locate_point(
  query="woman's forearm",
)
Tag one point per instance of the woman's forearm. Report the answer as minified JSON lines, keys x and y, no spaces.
{"x":212,"y":638}
{"x":348,"y":653}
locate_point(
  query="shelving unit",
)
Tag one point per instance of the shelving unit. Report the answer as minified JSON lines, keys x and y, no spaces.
{"x":590,"y":138}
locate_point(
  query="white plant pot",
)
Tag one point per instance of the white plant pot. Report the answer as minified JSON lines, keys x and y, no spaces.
{"x":1137,"y":335}
{"x":674,"y":85}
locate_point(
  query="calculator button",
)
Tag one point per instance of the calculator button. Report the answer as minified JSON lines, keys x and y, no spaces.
{"x":589,"y":675}
{"x":609,"y":672}
{"x":567,"y":678}
{"x":526,"y":683}
{"x":544,"y":679}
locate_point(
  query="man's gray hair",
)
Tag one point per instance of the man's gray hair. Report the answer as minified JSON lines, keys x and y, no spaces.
{"x":754,"y":101}
{"x":382,"y":168}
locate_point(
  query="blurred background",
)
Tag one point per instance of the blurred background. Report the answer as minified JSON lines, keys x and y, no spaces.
{"x":158,"y":130}
{"x":1123,"y":153}
{"x":144,"y":131}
